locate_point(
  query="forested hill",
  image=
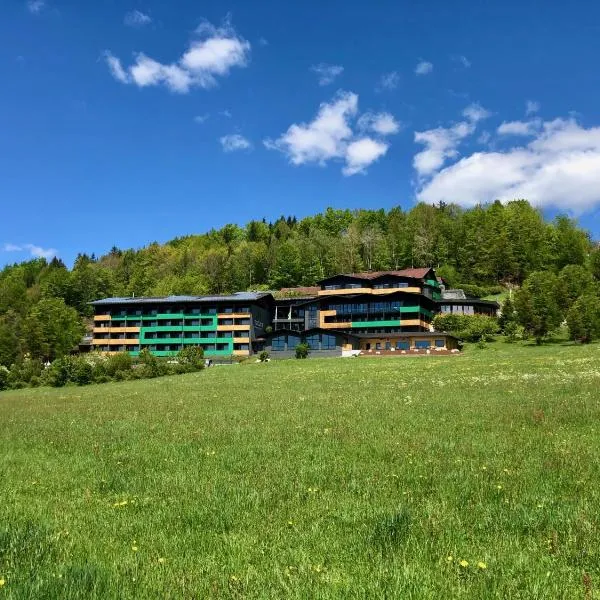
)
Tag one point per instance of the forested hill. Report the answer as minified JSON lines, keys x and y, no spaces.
{"x":486,"y":246}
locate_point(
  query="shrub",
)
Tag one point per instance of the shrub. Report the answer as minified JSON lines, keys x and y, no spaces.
{"x":263,"y":356}
{"x":82,"y":372}
{"x":192,"y":358}
{"x":151,"y":366}
{"x":58,"y":373}
{"x":583,"y":318}
{"x":468,"y":327}
{"x":118,"y":362}
{"x":302,"y":350}
{"x":3,"y":378}
{"x":23,"y":371}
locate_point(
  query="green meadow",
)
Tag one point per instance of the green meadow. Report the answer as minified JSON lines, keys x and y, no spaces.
{"x":473,"y":476}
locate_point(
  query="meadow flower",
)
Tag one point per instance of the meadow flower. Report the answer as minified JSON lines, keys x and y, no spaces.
{"x":481,"y":565}
{"x":2,"y":582}
{"x":134,"y":548}
{"x":161,"y":560}
{"x":449,"y":558}
{"x":498,"y":487}
{"x":463,"y":563}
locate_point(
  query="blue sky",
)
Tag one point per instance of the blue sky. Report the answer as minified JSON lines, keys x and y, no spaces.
{"x":127,"y":122}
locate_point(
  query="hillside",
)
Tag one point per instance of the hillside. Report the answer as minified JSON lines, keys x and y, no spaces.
{"x":323,"y":478}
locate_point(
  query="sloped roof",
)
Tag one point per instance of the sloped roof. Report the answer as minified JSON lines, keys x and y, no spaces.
{"x":414,"y":273}
{"x":238,"y":296}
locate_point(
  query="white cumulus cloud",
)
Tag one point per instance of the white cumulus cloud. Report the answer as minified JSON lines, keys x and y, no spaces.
{"x":35,"y":7}
{"x":424,"y":67}
{"x":234,"y":142}
{"x":531,"y":107}
{"x":560,"y":167}
{"x":441,"y":143}
{"x":33,"y":249}
{"x":362,"y":153}
{"x":389,"y":81}
{"x":382,"y":123}
{"x":331,"y":135}
{"x":136,"y":18}
{"x":524,"y":128}
{"x":327,"y":73}
{"x":216,"y":51}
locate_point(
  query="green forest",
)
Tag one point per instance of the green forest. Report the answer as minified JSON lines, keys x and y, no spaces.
{"x":44,"y":305}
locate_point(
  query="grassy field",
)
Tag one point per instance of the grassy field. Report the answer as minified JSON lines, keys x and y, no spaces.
{"x":474,"y":476}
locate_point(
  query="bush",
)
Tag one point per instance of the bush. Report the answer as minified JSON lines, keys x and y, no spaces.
{"x":263,"y":356}
{"x":22,"y":372}
{"x":118,"y":362}
{"x":192,"y":358}
{"x":151,"y":366}
{"x":472,"y":328}
{"x":82,"y":372}
{"x":3,"y":378}
{"x":58,"y":373}
{"x":302,"y":350}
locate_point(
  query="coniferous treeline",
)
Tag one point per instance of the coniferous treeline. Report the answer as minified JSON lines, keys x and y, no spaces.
{"x":43,"y":304}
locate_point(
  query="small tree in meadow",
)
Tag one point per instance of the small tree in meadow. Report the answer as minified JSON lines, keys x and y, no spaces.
{"x":583,"y":318}
{"x":302,"y":350}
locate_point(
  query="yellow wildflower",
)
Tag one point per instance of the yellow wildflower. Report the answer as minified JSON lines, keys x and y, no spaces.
{"x":449,"y":558}
{"x":481,"y":565}
{"x":161,"y":560}
{"x":2,"y":582}
{"x":464,"y":563}
{"x":134,"y":548}
{"x":498,"y":487}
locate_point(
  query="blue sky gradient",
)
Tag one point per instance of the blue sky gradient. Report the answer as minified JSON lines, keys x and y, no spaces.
{"x":90,"y":159}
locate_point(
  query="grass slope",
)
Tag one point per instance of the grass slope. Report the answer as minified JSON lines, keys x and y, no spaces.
{"x":310,"y":479}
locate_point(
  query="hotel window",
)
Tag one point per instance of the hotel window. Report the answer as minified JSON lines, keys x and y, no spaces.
{"x":241,"y":347}
{"x":293,"y":341}
{"x":353,"y":286}
{"x":378,"y":346}
{"x":333,"y":287}
{"x":388,"y":345}
{"x":327,"y":342}
{"x":440,"y":343}
{"x":278,"y":343}
{"x":242,"y":322}
{"x":422,"y":344}
{"x":227,"y":310}
{"x":402,"y":345}
{"x":313,"y":341}
{"x":226,"y":322}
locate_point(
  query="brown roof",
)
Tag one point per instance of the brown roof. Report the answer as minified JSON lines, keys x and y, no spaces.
{"x":415,"y":273}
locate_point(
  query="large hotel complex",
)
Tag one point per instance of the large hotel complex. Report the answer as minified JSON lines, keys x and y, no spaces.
{"x":374,"y":313}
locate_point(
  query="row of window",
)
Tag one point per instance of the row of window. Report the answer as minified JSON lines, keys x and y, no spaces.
{"x":173,"y":347}
{"x":317,"y":341}
{"x":458,"y":309}
{"x":405,"y":345}
{"x":161,"y":335}
{"x":167,"y":310}
{"x":370,"y":307}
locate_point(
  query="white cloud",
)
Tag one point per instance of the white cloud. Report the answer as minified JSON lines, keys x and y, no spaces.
{"x":137,"y":18}
{"x":463,"y":60}
{"x":327,"y":73}
{"x":475,"y":113}
{"x":35,"y":7}
{"x":362,"y":153}
{"x":263,"y":41}
{"x":524,"y":128}
{"x":441,"y":143}
{"x":382,"y":123}
{"x":389,"y":81}
{"x":323,"y":138}
{"x":560,"y":167}
{"x":201,"y":118}
{"x":36,"y":251}
{"x":234,"y":142}
{"x":424,"y":68}
{"x":214,"y":53}
{"x":485,"y":137}
{"x":226,"y":114}
{"x":330,"y":136}
{"x":531,"y":107}
{"x":116,"y":68}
